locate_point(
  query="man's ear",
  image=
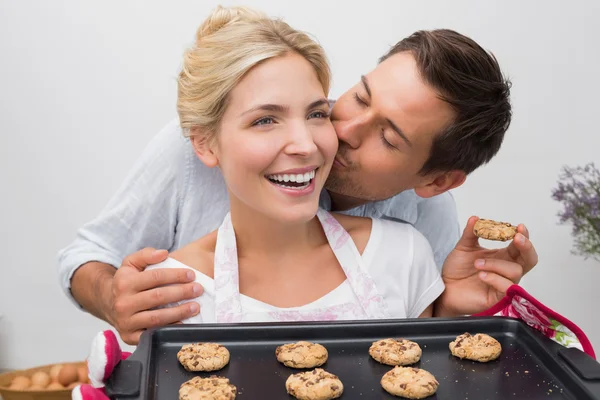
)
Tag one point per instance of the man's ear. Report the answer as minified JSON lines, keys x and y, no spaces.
{"x":204,"y":147}
{"x":441,"y":183}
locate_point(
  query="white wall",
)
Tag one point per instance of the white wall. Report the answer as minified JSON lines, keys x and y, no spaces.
{"x":84,"y":86}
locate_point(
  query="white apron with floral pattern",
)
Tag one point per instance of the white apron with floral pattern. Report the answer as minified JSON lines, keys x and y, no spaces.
{"x":368,"y":303}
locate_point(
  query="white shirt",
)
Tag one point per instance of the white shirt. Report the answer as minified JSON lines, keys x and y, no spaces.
{"x":170,"y":198}
{"x":406,"y":276}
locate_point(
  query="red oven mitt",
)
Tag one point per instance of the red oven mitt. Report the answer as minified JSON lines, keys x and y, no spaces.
{"x":521,"y":305}
{"x":105,"y":354}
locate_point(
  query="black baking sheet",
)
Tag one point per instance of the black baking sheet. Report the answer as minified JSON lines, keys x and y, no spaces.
{"x":530,"y":366}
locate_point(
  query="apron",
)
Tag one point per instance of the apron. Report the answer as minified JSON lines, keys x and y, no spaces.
{"x":368,"y":303}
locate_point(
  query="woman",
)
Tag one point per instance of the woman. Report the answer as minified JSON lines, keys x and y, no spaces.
{"x":253,"y":100}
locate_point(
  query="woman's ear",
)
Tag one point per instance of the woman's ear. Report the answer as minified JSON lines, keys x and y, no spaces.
{"x":204,"y":147}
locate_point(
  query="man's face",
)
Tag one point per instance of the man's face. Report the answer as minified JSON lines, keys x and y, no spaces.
{"x":386,"y":124}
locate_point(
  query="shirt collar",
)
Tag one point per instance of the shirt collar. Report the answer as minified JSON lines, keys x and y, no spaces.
{"x":403,"y":206}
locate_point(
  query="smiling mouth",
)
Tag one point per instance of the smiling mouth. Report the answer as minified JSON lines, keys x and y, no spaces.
{"x":293,"y":181}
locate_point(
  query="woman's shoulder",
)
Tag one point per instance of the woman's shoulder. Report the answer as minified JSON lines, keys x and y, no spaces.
{"x":400,"y":239}
{"x":388,"y":233}
{"x":359,"y":228}
{"x":199,"y":254}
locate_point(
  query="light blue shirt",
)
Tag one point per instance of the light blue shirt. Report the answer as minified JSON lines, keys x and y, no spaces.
{"x":171,"y":198}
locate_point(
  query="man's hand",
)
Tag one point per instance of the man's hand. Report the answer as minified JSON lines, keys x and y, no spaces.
{"x":135,"y":293}
{"x":477,"y":278}
{"x":126,"y":297}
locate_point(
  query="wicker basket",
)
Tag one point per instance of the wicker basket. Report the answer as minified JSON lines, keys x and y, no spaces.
{"x":9,"y":394}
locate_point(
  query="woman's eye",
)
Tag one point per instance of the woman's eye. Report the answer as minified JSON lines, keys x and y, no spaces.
{"x":318,"y":114}
{"x":263,"y":121}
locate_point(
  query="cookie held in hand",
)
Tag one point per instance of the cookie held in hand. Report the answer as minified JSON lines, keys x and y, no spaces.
{"x":494,"y":230}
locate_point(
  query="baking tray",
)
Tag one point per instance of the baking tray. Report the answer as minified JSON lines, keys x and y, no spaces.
{"x":531,"y":366}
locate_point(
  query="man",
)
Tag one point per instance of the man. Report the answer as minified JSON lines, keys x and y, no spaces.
{"x":434,"y":109}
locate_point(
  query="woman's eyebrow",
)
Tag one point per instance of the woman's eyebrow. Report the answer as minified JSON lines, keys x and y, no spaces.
{"x":267,"y":107}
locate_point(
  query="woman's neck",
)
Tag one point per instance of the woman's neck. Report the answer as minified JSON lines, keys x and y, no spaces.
{"x":281,"y":263}
{"x":258,"y":235}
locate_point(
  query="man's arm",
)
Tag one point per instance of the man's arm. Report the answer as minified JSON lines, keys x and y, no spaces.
{"x":91,"y":288}
{"x":142,"y":213}
{"x":127,"y":298}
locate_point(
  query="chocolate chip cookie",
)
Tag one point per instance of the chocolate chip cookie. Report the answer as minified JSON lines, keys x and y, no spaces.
{"x":317,"y":384}
{"x":213,"y":388}
{"x":412,"y":383}
{"x":203,"y":356}
{"x":301,"y":354}
{"x":479,"y":347}
{"x":395,"y":351}
{"x":494,"y":230}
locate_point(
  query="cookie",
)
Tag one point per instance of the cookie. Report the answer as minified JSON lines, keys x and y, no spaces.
{"x":203,"y":356}
{"x":494,"y":230}
{"x":317,"y":384}
{"x":213,"y":388}
{"x":412,"y":383}
{"x":479,"y":347}
{"x":395,"y":351}
{"x":301,"y":354}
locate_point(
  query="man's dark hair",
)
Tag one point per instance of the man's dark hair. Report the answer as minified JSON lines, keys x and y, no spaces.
{"x":468,"y":78}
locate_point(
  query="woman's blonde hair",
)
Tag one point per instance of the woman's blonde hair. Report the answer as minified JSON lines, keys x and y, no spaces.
{"x":228,"y":44}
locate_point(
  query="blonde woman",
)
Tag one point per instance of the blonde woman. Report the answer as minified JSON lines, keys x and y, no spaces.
{"x":253,"y":100}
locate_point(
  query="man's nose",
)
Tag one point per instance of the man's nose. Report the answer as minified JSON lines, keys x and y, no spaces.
{"x":352,"y":131}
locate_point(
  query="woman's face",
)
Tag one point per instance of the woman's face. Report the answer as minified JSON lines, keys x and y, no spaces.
{"x":276,"y":144}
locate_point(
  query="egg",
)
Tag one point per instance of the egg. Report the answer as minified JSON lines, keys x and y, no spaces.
{"x":35,"y":387}
{"x":54,"y":372}
{"x":55,"y":386}
{"x":20,"y":382}
{"x":67,"y":375}
{"x":82,"y":374}
{"x":40,"y":378}
{"x":72,"y":385}
{"x":18,"y":386}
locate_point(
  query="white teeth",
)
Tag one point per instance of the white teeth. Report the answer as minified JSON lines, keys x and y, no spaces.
{"x":294,"y":187}
{"x":299,"y":178}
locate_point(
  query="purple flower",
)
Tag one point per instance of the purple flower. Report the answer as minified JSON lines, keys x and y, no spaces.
{"x":578,"y":190}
